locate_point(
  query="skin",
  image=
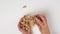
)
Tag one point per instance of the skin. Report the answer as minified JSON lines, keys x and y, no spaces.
{"x":42,"y":24}
{"x":23,"y":30}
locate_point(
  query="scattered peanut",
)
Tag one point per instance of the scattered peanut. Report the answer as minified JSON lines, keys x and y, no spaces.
{"x":24,"y":6}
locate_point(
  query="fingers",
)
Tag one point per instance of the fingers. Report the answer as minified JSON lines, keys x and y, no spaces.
{"x":42,"y":18}
{"x":22,"y":29}
{"x":39,"y":23}
{"x":29,"y":31}
{"x":19,"y":27}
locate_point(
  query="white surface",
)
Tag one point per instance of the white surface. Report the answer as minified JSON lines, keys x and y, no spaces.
{"x":11,"y":11}
{"x":35,"y":30}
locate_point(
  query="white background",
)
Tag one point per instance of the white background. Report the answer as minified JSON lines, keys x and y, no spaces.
{"x":11,"y":11}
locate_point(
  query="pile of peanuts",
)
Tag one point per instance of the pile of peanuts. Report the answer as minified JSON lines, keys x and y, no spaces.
{"x":27,"y":22}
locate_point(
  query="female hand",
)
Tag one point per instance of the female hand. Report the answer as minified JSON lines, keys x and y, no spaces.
{"x":23,"y":30}
{"x":42,"y":24}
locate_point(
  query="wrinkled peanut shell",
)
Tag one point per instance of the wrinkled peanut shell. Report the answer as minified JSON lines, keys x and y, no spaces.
{"x":27,"y":22}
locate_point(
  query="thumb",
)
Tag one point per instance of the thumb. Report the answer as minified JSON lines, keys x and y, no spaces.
{"x":29,"y":30}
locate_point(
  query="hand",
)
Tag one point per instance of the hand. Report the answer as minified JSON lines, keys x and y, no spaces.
{"x":23,"y":30}
{"x":42,"y":24}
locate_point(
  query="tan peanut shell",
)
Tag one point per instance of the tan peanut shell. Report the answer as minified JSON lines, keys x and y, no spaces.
{"x":27,"y":22}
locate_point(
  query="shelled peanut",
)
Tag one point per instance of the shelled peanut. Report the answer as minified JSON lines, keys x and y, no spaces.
{"x":27,"y":22}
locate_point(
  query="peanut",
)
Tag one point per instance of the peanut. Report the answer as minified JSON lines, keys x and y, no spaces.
{"x":27,"y":22}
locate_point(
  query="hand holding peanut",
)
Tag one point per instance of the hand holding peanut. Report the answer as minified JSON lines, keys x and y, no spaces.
{"x":28,"y":21}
